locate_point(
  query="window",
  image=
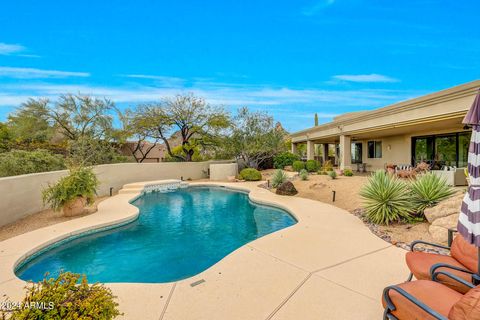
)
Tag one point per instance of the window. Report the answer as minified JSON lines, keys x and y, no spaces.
{"x":356,"y":152}
{"x":374,"y":149}
{"x":442,"y":150}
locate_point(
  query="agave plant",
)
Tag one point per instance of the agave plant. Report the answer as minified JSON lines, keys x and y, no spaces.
{"x":303,"y":174}
{"x":278,"y":178}
{"x":386,"y":198}
{"x":428,"y":190}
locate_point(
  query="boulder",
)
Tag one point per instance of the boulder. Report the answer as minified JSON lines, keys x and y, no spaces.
{"x":286,"y":189}
{"x":288,"y":168}
{"x":445,"y":208}
{"x":439,"y":234}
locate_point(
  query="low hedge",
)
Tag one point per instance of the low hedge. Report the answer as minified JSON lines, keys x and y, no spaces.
{"x":298,"y":165}
{"x":284,"y":159}
{"x":312,"y":166}
{"x":251,"y":174}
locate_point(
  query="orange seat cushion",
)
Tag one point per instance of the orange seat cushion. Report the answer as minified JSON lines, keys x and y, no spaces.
{"x":468,"y":308}
{"x":420,"y":263}
{"x":435,"y":295}
{"x":465,"y":253}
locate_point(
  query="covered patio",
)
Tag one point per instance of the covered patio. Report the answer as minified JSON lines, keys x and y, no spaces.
{"x":427,"y":128}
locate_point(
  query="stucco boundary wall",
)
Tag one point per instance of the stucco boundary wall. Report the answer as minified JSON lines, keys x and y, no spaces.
{"x":21,"y":195}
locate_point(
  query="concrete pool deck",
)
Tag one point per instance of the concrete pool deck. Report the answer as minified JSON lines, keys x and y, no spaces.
{"x":327,"y":266}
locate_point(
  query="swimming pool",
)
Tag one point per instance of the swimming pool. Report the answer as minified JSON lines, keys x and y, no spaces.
{"x":177,"y":235}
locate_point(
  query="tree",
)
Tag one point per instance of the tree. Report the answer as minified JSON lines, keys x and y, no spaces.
{"x":255,"y":138}
{"x":139,"y":132}
{"x":5,"y":137}
{"x":198,"y":124}
{"x":30,"y":123}
{"x":82,"y":116}
{"x":316,"y":119}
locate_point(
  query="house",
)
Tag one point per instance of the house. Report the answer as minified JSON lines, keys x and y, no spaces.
{"x":428,"y":128}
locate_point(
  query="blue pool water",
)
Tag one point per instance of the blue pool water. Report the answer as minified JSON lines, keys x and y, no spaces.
{"x":177,"y":235}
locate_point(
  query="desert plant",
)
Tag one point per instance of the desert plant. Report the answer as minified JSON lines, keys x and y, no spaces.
{"x":332,"y":174}
{"x":278,"y":178}
{"x":69,"y":296}
{"x":386,"y":198}
{"x":298,"y":165}
{"x":311,"y":165}
{"x":17,"y":162}
{"x":284,"y":159}
{"x":303,"y":174}
{"x":348,"y":172}
{"x":428,"y":190}
{"x":328,"y":166}
{"x":81,"y":182}
{"x":251,"y":174}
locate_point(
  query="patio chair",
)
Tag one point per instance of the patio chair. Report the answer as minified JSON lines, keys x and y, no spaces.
{"x":462,"y":262}
{"x":429,"y":299}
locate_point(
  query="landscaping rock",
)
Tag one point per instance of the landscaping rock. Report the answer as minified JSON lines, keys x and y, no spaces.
{"x":445,"y":208}
{"x":286,"y":189}
{"x":288,"y":168}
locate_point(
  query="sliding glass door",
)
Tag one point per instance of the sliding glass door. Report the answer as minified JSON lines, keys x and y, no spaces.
{"x":441,"y":150}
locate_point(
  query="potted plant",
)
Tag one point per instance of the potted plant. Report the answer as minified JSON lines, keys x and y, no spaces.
{"x":73,"y":192}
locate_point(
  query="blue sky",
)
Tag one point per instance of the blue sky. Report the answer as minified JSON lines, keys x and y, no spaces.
{"x":290,"y":58}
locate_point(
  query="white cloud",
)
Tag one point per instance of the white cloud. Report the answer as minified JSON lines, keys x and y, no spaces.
{"x":7,"y":49}
{"x":279,"y":99}
{"x":31,"y":73}
{"x":317,"y":7}
{"x":364,"y":78}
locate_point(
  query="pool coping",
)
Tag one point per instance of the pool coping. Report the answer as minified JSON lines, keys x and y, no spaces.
{"x":25,"y":249}
{"x":284,"y":265}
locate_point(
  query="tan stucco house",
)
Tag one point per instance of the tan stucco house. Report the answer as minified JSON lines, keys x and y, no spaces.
{"x":428,"y":128}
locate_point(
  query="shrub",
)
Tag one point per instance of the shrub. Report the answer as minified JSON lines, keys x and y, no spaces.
{"x":311,"y":165}
{"x":428,"y":190}
{"x":284,"y":159}
{"x":328,"y":166}
{"x":278,"y":178}
{"x":81,"y":182}
{"x":69,"y":296}
{"x":17,"y":162}
{"x":348,"y":172}
{"x":332,"y":174}
{"x":303,"y":174}
{"x":386,"y":198}
{"x":251,"y":174}
{"x":298,"y":165}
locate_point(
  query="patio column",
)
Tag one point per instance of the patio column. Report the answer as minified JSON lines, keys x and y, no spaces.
{"x":345,"y":152}
{"x":294,"y":148}
{"x":310,"y":150}
{"x":324,"y":152}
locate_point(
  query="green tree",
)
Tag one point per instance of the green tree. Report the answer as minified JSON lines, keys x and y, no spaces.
{"x":316,"y":119}
{"x":138,"y":133}
{"x":255,"y":138}
{"x":5,"y":137}
{"x":31,"y":123}
{"x":199,"y":125}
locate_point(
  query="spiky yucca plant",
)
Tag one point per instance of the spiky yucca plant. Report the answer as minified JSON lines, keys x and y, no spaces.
{"x":428,"y":190}
{"x":278,"y":178}
{"x":386,"y":198}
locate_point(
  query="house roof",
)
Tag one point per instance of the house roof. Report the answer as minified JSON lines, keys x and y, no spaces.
{"x":457,"y":92}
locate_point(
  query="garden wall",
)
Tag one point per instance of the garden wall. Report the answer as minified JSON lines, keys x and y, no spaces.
{"x":22,"y":195}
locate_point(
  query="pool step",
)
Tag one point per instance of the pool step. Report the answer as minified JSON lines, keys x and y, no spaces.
{"x":150,"y":186}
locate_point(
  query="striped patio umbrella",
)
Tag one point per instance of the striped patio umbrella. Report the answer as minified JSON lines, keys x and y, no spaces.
{"x":469,"y":219}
